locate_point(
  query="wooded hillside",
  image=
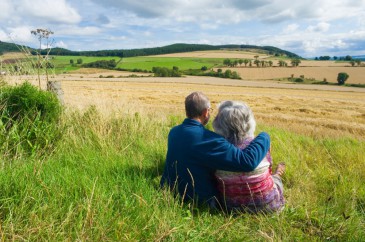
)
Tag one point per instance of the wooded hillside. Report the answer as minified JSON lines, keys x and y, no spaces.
{"x":174,"y":48}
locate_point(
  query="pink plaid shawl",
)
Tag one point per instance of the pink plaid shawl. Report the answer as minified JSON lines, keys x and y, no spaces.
{"x":255,"y":190}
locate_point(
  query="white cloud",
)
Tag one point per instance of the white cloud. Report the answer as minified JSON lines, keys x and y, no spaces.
{"x":5,"y":9}
{"x":320,"y":27}
{"x":4,"y":36}
{"x":21,"y":35}
{"x":291,"y":28}
{"x":75,"y":31}
{"x":61,"y":44}
{"x":302,"y":27}
{"x":50,"y":10}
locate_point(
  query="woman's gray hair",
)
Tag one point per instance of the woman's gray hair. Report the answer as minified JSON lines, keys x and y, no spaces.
{"x":195,"y":104}
{"x":234,"y":121}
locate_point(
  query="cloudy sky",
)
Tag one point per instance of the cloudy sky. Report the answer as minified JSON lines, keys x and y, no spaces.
{"x":308,"y":28}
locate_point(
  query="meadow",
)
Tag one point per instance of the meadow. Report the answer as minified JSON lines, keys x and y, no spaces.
{"x":142,"y":63}
{"x":100,"y":181}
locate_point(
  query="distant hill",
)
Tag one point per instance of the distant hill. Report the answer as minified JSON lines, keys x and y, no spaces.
{"x":9,"y":47}
{"x":169,"y":49}
{"x":359,"y":57}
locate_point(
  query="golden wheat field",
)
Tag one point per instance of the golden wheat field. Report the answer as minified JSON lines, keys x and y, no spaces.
{"x":317,"y":110}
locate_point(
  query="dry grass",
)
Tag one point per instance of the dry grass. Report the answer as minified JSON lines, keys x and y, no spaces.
{"x":318,"y":113}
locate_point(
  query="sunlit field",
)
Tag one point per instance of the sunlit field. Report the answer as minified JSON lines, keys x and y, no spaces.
{"x":100,"y":181}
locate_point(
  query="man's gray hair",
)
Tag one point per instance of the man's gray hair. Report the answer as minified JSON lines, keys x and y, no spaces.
{"x":234,"y":121}
{"x":195,"y":104}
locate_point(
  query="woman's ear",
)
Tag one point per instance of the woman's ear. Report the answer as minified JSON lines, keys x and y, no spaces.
{"x":205,"y":113}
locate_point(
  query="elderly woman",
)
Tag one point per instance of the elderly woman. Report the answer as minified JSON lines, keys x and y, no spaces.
{"x":259,"y":190}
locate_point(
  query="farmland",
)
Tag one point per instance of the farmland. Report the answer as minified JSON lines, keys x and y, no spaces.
{"x":101,"y":181}
{"x":274,"y":102}
{"x":310,"y":69}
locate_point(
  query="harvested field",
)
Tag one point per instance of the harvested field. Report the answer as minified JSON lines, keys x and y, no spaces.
{"x":97,"y":73}
{"x":317,"y":111}
{"x":251,"y":55}
{"x":309,"y":68}
{"x":357,"y":74}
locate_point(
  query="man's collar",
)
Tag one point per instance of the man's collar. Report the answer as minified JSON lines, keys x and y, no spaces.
{"x":192,"y":122}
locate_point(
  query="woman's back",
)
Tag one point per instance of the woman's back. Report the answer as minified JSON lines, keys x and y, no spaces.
{"x":258,"y":190}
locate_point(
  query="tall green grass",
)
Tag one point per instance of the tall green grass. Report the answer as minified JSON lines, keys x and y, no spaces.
{"x":28,"y":121}
{"x":101,"y":183}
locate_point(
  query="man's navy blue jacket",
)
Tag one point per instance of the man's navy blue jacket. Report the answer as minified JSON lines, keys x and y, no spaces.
{"x":194,"y":153}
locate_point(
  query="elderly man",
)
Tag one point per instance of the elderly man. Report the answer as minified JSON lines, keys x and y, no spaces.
{"x":194,"y":154}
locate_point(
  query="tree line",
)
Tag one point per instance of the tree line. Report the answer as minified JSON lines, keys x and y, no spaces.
{"x":259,"y":63}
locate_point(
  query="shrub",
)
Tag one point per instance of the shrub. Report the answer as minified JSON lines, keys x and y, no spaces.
{"x":342,"y":78}
{"x":29,"y":120}
{"x":165,"y":72}
{"x":298,"y":80}
{"x":105,"y":64}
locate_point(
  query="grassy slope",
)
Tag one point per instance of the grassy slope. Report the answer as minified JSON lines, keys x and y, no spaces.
{"x":102,"y":184}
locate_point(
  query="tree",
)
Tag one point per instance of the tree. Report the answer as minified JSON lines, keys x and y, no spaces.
{"x":342,"y":78}
{"x":270,"y":63}
{"x":295,"y":62}
{"x":257,"y":62}
{"x":246,"y":61}
{"x":326,"y":57}
{"x":348,"y":58}
{"x":240,"y":61}
{"x":282,"y":63}
{"x":71,"y":61}
{"x":79,"y":61}
{"x":204,"y":68}
{"x":227,"y":62}
{"x":358,"y":62}
{"x":352,"y":63}
{"x":235,"y":75}
{"x":228,"y":74}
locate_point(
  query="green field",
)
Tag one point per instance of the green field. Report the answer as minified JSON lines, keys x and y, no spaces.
{"x":183,"y":63}
{"x":62,"y":63}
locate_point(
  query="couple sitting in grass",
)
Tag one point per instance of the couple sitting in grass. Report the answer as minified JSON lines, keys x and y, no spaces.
{"x":226,"y":169}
